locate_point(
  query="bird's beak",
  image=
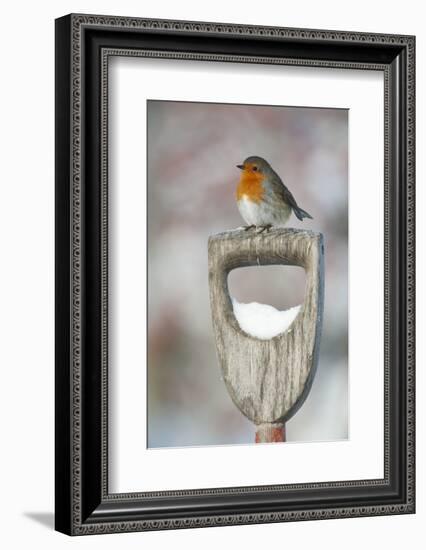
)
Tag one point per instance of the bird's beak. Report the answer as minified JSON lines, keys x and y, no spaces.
{"x":240,"y":166}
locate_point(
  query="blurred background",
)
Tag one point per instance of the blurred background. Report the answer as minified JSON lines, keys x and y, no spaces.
{"x":193,"y":149}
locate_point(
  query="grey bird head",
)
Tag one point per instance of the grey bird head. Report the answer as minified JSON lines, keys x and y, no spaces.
{"x":256,"y":164}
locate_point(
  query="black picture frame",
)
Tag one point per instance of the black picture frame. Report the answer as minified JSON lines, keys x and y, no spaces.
{"x":83,"y":504}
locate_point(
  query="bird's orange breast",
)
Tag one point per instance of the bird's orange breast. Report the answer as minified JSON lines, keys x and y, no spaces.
{"x":250,"y":186}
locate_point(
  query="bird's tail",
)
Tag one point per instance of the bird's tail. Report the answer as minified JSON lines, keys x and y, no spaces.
{"x":301,"y":213}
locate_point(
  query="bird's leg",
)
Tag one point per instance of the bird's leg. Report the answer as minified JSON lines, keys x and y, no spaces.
{"x":266,"y":228}
{"x":247,"y":227}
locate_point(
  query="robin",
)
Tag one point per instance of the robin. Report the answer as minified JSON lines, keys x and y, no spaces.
{"x":263,"y":200}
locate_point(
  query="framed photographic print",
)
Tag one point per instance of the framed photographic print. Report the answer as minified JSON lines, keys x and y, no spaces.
{"x":234,"y":274}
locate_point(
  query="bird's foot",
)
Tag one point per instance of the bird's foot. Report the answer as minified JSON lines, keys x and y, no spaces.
{"x":247,"y":227}
{"x":266,"y":228}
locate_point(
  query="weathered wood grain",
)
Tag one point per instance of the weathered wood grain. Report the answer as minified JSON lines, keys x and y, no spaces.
{"x":268,"y":380}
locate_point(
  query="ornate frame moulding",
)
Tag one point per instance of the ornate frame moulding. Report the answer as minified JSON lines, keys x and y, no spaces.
{"x":84,"y":43}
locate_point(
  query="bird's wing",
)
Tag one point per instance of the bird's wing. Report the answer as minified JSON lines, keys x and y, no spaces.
{"x":281,"y":191}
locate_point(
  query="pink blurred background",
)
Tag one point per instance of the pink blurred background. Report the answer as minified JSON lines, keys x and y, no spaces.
{"x":193,"y":149}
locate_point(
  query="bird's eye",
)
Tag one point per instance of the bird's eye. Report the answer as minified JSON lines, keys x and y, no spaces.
{"x":254,"y":168}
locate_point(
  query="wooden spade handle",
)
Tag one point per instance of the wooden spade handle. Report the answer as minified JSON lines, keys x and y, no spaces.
{"x":268,"y":380}
{"x":270,"y":433}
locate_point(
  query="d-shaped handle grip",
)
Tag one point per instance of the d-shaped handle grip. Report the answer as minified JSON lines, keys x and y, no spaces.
{"x":268,"y":380}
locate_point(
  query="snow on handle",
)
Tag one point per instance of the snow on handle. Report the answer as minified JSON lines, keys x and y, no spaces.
{"x":262,"y":320}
